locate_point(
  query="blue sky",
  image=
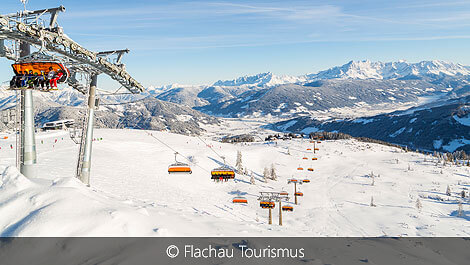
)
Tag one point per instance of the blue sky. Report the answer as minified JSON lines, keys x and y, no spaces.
{"x":200,"y":42}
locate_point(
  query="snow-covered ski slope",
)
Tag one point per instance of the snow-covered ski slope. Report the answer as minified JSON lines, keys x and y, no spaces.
{"x":131,"y":193}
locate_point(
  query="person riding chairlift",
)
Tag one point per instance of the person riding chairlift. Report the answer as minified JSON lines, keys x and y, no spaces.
{"x":41,"y":80}
{"x":30,"y":79}
{"x":23,"y":79}
{"x":16,"y":80}
{"x":54,"y":76}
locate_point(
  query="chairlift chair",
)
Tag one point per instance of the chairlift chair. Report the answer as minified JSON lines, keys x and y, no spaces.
{"x":37,"y":63}
{"x":179,"y":167}
{"x":267,"y":204}
{"x":240,"y":200}
{"x":222,"y":173}
{"x":306,"y":181}
{"x":299,"y":194}
{"x":287,"y":208}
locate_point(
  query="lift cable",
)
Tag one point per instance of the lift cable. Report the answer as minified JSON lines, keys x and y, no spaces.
{"x":171,"y":148}
{"x":222,"y":157}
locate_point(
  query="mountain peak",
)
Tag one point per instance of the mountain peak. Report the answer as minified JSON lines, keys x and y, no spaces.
{"x":260,"y":80}
{"x":366,"y":69}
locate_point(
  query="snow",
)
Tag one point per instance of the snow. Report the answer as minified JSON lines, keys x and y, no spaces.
{"x":287,"y":125}
{"x":390,"y":70}
{"x":309,"y":130}
{"x":183,"y":117}
{"x":261,"y":80}
{"x":464,"y":120}
{"x":363,"y":121}
{"x":399,"y":131}
{"x":455,"y":144}
{"x":132,"y":195}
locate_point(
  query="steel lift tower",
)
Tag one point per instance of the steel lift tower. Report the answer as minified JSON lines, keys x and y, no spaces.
{"x":24,"y":31}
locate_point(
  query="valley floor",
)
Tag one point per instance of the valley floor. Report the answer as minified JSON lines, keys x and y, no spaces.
{"x":132,"y":194}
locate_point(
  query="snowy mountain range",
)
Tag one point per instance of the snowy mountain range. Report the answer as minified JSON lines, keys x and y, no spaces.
{"x":143,"y":112}
{"x":357,"y":83}
{"x":262,"y":80}
{"x":391,"y":70}
{"x":355,"y":89}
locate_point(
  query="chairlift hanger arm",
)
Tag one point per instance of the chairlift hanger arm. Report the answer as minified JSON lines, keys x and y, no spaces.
{"x":114,"y":51}
{"x":119,"y":53}
{"x":26,"y":13}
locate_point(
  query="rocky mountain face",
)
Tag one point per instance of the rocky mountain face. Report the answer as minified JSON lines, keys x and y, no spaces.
{"x":443,"y":126}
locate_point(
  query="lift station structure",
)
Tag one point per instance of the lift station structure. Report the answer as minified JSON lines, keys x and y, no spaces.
{"x":36,"y":35}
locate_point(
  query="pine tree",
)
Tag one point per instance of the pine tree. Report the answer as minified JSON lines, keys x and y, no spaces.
{"x":460,"y":210}
{"x":462,"y":194}
{"x":266,"y":174}
{"x":373,"y":181}
{"x":252,"y":179}
{"x":372,"y":201}
{"x":419,"y":206}
{"x":288,"y":150}
{"x":272,"y":173}
{"x":448,"y":191}
{"x":238,"y":164}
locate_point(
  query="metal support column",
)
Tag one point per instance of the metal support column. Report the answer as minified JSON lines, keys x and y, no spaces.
{"x":87,"y":136}
{"x":295,"y":192}
{"x":27,"y":132}
{"x":270,"y":216}
{"x":280,"y":212}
